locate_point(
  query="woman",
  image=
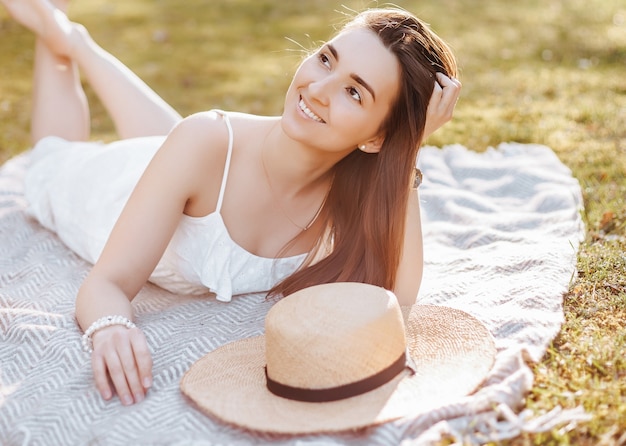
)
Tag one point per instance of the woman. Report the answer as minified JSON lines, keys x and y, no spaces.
{"x":331,"y":178}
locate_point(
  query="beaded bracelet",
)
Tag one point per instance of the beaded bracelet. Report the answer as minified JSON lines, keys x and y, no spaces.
{"x":101,"y":323}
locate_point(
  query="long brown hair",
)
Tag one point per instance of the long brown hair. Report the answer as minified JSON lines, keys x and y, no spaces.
{"x":367,"y":202}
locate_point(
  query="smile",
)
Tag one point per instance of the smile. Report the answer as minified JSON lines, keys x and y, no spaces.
{"x":308,"y":112}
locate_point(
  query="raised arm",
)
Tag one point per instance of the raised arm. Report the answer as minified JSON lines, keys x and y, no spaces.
{"x":442,"y":102}
{"x":409,"y":276}
{"x":172,"y":180}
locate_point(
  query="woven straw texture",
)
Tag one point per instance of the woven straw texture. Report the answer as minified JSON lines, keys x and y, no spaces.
{"x":340,"y":333}
{"x":501,"y":231}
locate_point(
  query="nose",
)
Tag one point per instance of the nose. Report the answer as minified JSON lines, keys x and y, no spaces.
{"x":319,"y":90}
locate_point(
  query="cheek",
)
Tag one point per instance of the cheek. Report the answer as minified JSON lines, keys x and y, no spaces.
{"x":304,"y":70}
{"x":357,"y":119}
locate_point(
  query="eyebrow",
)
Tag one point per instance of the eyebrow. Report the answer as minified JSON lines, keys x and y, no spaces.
{"x":357,"y":78}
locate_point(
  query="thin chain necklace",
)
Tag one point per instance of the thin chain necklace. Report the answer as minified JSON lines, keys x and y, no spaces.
{"x":282,"y":209}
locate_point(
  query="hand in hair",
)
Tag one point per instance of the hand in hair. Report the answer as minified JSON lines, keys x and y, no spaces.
{"x":441,"y":105}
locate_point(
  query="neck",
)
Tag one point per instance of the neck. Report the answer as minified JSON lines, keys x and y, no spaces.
{"x":294,"y":168}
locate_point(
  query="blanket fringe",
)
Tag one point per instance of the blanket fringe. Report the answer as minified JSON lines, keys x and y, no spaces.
{"x":504,"y":424}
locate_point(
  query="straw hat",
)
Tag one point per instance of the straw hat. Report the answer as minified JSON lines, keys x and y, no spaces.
{"x":325,"y":343}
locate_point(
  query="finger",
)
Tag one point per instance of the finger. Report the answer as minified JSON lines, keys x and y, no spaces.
{"x":100,"y":376}
{"x":451,"y":86}
{"x":143,"y":357}
{"x":451,"y":92}
{"x":131,"y":372}
{"x":435,"y":98}
{"x":116,"y":372}
{"x":443,"y":79}
{"x":438,"y":89}
{"x":454,"y":90}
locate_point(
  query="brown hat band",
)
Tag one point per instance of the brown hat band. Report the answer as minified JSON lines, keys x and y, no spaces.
{"x":339,"y":392}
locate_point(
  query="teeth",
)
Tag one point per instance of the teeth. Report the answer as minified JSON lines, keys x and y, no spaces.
{"x":308,"y":112}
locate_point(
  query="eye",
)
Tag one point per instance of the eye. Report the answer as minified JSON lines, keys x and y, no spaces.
{"x":324,"y":59}
{"x":354,"y":94}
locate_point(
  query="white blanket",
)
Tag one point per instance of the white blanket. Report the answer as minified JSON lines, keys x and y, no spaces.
{"x":501,"y":232}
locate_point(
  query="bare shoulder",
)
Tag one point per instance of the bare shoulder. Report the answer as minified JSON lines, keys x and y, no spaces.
{"x":202,"y":136}
{"x":196,"y":150}
{"x":197,"y":146}
{"x":208,"y":132}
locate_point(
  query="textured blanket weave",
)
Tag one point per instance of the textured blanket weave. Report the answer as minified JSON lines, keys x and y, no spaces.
{"x":501,"y":231}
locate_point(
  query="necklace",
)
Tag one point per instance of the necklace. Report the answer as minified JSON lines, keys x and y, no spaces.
{"x":282,"y":209}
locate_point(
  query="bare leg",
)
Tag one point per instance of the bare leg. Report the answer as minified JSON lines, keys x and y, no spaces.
{"x":59,"y":104}
{"x":135,"y":108}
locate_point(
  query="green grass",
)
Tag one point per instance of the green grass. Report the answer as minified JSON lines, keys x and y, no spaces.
{"x":545,"y":71}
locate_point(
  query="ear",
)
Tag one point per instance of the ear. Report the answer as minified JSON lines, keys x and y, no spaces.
{"x":372,"y":145}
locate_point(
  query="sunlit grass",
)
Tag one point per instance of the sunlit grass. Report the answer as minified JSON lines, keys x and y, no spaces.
{"x":544,"y":71}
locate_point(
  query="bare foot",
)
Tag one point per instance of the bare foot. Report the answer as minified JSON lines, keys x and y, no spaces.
{"x":61,"y":4}
{"x":43,"y":18}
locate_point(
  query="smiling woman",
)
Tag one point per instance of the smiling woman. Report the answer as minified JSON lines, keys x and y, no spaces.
{"x":335,"y":80}
{"x":336,"y":87}
{"x":328,"y":184}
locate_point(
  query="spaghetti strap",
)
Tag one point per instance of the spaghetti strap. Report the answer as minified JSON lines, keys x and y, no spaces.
{"x":220,"y":198}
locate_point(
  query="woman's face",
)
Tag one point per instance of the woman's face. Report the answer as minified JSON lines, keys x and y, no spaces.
{"x":340,"y":96}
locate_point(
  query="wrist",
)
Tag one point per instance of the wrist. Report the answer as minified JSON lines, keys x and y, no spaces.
{"x":103,"y":322}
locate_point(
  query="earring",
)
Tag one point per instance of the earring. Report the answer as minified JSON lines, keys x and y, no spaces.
{"x":362,"y":147}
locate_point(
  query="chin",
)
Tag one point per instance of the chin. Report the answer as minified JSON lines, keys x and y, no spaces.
{"x":292,"y":123}
{"x":292,"y":129}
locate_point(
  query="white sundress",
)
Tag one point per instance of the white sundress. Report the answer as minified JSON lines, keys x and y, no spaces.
{"x":78,"y":190}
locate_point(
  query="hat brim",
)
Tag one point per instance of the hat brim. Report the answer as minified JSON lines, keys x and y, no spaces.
{"x":452,"y":352}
